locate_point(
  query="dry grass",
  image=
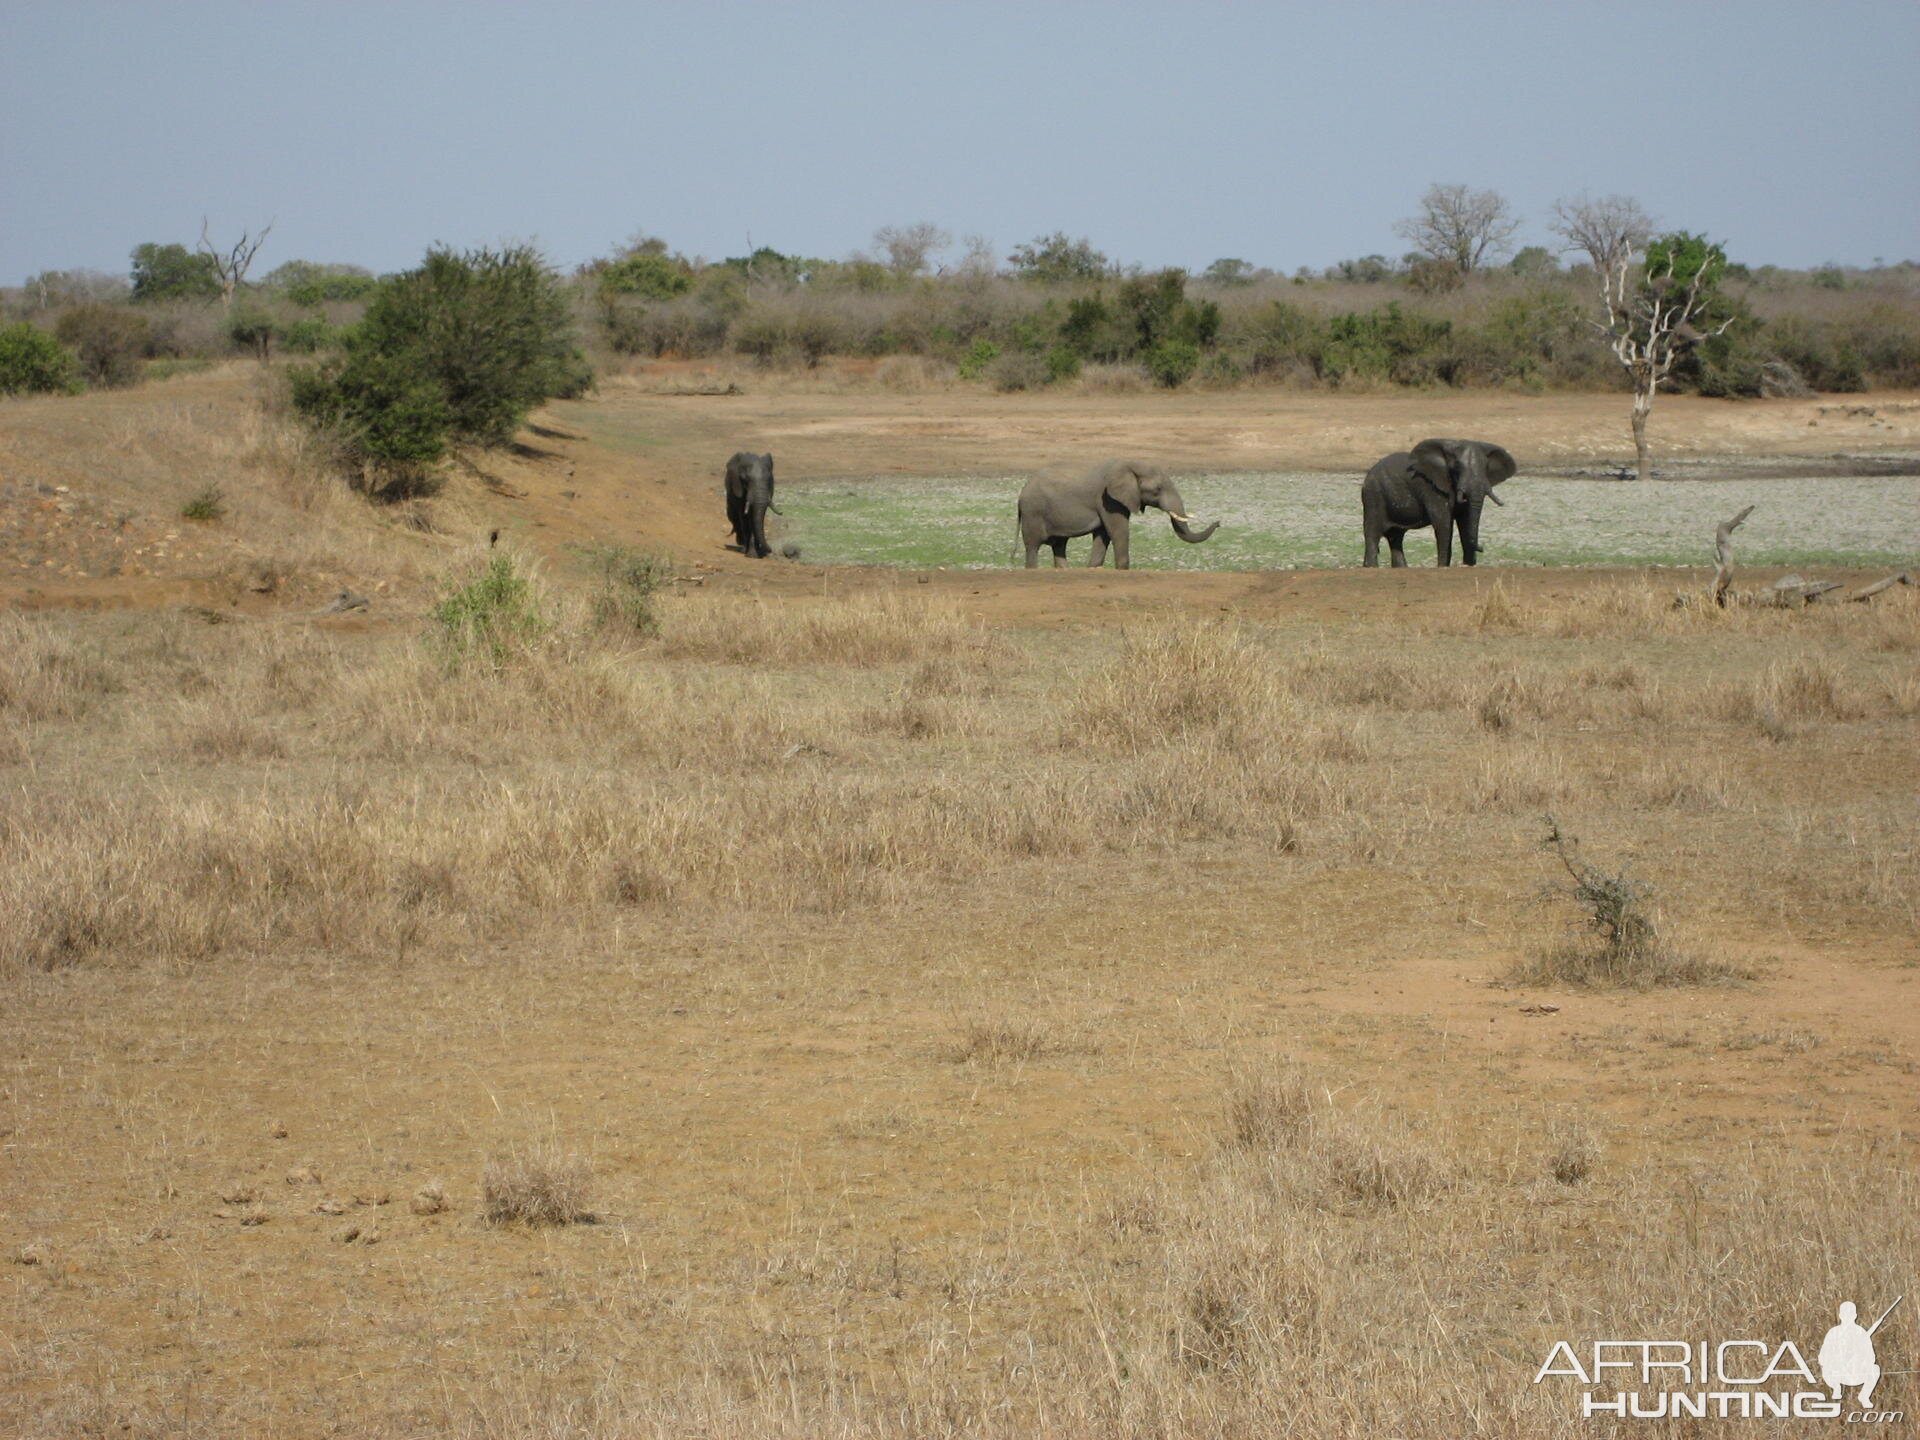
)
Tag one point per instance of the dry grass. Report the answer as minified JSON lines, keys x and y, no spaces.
{"x":540,"y":1185}
{"x":869,"y":627}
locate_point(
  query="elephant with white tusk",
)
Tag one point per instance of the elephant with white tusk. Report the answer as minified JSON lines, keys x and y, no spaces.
{"x":1100,"y":503}
{"x":749,"y":494}
{"x":1439,"y":484}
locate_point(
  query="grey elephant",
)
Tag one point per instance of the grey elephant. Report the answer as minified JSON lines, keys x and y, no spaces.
{"x":1100,"y":503}
{"x":1439,"y":484}
{"x":749,"y":489}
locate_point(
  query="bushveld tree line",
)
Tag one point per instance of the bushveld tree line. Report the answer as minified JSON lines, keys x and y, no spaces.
{"x":1615,"y":302}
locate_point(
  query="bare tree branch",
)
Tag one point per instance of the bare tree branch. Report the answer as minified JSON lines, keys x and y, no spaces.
{"x":1468,"y":227}
{"x":1608,"y":230}
{"x":231,"y":265}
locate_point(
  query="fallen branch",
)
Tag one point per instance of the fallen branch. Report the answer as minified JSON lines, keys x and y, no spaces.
{"x":1903,"y":578}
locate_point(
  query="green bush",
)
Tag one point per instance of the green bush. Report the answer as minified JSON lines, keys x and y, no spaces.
{"x":494,"y":619}
{"x":33,"y":362}
{"x":648,"y":275}
{"x":628,"y":580}
{"x":1172,"y":362}
{"x":173,"y":272}
{"x":1283,"y":337}
{"x":979,"y":356}
{"x":111,"y":341}
{"x":309,"y":335}
{"x":379,"y":408}
{"x":207,"y":505}
{"x":459,"y":349}
{"x":252,"y":329}
{"x":1062,"y":364}
{"x":1386,"y":344}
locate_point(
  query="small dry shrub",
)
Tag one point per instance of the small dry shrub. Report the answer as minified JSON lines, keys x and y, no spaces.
{"x":1109,"y":379}
{"x":1575,"y":1151}
{"x":1625,"y":949}
{"x":1173,"y":684}
{"x":1373,"y":1168}
{"x":541,"y":1185}
{"x":1001,"y":1041}
{"x":913,"y":372}
{"x":1496,"y":611}
{"x":1271,"y":1111}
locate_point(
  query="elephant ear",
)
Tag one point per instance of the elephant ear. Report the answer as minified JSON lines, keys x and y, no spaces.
{"x":1433,"y":459}
{"x":1500,"y":465}
{"x":1123,"y":485}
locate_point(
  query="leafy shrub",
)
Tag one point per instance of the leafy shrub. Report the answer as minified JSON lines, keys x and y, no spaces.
{"x":252,"y":329}
{"x":111,"y":341}
{"x":173,"y":272}
{"x":1062,"y":364}
{"x":1172,"y":362}
{"x":646,"y":274}
{"x":34,"y":362}
{"x":1052,"y":259}
{"x":979,"y":356}
{"x":1283,"y":336}
{"x":380,"y":408}
{"x":310,"y":334}
{"x":493,"y":619}
{"x":207,"y":505}
{"x":628,"y":580}
{"x":1386,"y":344}
{"x":459,"y":349}
{"x":323,"y":289}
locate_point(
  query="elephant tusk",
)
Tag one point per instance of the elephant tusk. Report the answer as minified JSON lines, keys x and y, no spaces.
{"x":1184,"y":519}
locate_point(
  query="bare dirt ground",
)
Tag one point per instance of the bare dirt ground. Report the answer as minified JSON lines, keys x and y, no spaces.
{"x":882,"y":1145}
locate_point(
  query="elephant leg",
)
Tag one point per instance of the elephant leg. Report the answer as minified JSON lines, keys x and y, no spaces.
{"x":1120,"y":536}
{"x":1372,"y":562}
{"x":1058,"y":544}
{"x":1098,"y":555}
{"x":1033,"y":553}
{"x":1443,"y":542}
{"x":1396,"y":541}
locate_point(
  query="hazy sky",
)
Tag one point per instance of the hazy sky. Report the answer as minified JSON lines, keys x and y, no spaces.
{"x":1284,"y":133}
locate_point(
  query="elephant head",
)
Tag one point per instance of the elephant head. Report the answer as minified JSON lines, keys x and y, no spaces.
{"x":1465,"y":471}
{"x":1134,"y":486}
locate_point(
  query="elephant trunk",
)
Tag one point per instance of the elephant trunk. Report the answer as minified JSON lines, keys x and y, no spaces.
{"x":1186,"y":532}
{"x":1468,"y":522}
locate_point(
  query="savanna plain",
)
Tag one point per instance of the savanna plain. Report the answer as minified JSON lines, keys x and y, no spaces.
{"x":859,"y":1000}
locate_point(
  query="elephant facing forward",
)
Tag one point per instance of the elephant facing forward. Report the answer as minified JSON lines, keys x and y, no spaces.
{"x":1439,"y":484}
{"x":1053,"y":510}
{"x":749,"y":490}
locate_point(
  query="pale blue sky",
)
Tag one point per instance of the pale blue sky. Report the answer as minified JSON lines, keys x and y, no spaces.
{"x":1284,"y":133}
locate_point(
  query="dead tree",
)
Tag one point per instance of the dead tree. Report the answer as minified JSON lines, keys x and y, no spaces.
{"x":1723,"y":557}
{"x":231,"y":265}
{"x":1651,"y":308}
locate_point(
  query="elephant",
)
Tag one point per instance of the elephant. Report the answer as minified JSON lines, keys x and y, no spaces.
{"x":1441,"y":484}
{"x":749,"y":490}
{"x":1053,"y":510}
